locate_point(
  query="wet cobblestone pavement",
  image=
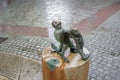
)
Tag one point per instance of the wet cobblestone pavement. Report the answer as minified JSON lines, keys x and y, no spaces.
{"x":103,"y":42}
{"x":42,"y":12}
{"x":28,"y":46}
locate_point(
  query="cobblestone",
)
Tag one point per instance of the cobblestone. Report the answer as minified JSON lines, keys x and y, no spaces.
{"x":28,"y":46}
{"x":103,"y":43}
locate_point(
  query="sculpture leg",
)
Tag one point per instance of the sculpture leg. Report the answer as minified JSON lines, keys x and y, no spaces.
{"x":64,"y":48}
{"x":54,"y":48}
{"x":83,"y":55}
{"x":60,"y":47}
{"x":79,"y":45}
{"x":72,"y":47}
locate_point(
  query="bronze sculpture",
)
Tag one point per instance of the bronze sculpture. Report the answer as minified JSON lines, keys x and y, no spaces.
{"x":63,"y":37}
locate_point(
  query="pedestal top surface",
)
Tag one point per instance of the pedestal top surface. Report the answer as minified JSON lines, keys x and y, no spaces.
{"x":54,"y":59}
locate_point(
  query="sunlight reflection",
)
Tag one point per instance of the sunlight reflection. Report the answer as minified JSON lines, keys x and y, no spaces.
{"x":57,"y":9}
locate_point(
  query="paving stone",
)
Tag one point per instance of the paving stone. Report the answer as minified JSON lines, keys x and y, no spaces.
{"x":102,"y":75}
{"x":108,"y":77}
{"x":99,"y":78}
{"x":107,"y":64}
{"x":94,"y":75}
{"x":25,"y":49}
{"x":10,"y":65}
{"x":31,"y":70}
{"x":4,"y":78}
{"x":107,"y":72}
{"x":93,"y":79}
{"x":118,"y":75}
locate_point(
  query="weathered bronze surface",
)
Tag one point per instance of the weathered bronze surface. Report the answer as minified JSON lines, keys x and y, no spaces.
{"x":63,"y":37}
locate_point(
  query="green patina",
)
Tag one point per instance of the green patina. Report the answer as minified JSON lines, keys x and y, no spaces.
{"x":52,"y":63}
{"x":64,"y":38}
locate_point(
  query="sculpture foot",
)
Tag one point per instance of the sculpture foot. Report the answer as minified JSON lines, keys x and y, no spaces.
{"x":85,"y":56}
{"x":63,"y":57}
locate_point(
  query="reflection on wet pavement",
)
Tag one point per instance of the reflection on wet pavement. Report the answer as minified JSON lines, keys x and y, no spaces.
{"x":58,"y":10}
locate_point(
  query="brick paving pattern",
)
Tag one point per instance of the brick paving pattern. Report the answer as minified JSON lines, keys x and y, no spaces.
{"x":29,"y":46}
{"x":104,"y":44}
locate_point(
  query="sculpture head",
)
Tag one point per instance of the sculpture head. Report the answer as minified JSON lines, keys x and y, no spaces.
{"x":57,"y":24}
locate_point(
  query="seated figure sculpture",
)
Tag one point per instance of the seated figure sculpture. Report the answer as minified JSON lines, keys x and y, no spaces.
{"x":63,"y":37}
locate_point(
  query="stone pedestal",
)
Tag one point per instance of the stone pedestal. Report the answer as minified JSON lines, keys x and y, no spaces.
{"x":54,"y":68}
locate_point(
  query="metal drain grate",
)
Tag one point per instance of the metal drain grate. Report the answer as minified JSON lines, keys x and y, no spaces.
{"x":2,"y":39}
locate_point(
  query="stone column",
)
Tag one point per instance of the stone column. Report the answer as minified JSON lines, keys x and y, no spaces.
{"x":54,"y":68}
